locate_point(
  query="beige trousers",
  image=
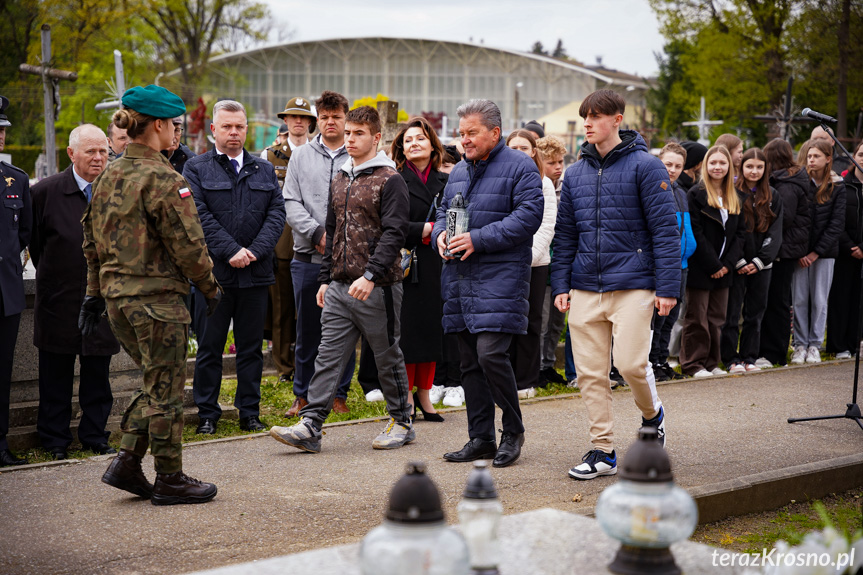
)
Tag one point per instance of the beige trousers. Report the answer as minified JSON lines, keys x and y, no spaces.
{"x":595,"y":321}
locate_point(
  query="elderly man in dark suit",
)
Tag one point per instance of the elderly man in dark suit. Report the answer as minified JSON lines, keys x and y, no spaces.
{"x":59,"y":202}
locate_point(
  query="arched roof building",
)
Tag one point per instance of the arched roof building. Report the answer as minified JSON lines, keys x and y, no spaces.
{"x":422,"y":75}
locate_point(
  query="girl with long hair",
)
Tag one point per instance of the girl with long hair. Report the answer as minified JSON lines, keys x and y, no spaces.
{"x":813,"y":277}
{"x":524,"y":352}
{"x":843,"y":308}
{"x":762,"y":235}
{"x":791,"y":183}
{"x":734,"y":145}
{"x":714,"y":211}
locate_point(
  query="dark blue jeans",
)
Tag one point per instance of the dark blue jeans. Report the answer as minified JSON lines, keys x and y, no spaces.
{"x":305,"y":277}
{"x":247,"y":307}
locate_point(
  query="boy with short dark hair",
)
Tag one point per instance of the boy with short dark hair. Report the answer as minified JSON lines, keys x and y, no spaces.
{"x":616,"y":257}
{"x":360,"y":291}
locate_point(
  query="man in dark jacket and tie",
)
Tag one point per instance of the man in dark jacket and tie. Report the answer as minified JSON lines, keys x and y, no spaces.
{"x":485,"y":288}
{"x":59,"y":202}
{"x":242,"y":213}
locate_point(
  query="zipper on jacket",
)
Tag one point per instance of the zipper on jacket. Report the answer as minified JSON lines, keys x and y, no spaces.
{"x":347,"y":195}
{"x":598,"y":232}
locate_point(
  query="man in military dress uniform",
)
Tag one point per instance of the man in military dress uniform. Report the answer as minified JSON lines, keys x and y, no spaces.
{"x":15,"y":226}
{"x":143,"y":243}
{"x":282,"y":319}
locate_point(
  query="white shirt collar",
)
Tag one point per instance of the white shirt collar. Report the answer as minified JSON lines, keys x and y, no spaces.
{"x":82,"y":183}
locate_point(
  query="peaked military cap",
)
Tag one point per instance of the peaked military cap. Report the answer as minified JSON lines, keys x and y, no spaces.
{"x":154,"y":101}
{"x":4,"y":121}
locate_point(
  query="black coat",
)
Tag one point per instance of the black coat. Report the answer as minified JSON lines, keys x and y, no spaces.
{"x":421,"y":329}
{"x":761,"y":248}
{"x":61,"y":270}
{"x":828,"y":220}
{"x":796,"y":218}
{"x":709,"y":234}
{"x":238,"y":210}
{"x":15,"y":227}
{"x":852,"y":235}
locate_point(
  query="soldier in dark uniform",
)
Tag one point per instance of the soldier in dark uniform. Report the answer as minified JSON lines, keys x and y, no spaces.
{"x":281,"y":324}
{"x":15,"y":227}
{"x":143,"y":243}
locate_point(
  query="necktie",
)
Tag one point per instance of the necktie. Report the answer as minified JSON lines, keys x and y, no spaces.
{"x":88,"y":191}
{"x":236,"y":165}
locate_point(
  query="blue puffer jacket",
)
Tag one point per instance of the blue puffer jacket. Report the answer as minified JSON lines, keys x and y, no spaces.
{"x":244,"y":210}
{"x":616,"y":225}
{"x":488,"y":291}
{"x":684,"y":224}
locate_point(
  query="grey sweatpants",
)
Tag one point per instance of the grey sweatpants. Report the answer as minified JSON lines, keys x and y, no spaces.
{"x":343,"y":320}
{"x":810,"y":288}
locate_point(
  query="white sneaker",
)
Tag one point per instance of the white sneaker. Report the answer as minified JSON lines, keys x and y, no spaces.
{"x":843,"y":355}
{"x":436,"y":393}
{"x":572,"y":383}
{"x":702,"y":373}
{"x":737,"y":368}
{"x":752,"y":367}
{"x":763,"y":363}
{"x":454,"y":397}
{"x":527,"y":393}
{"x":719,"y":371}
{"x":799,"y":355}
{"x":813,"y":355}
{"x":375,"y":395}
{"x":672,"y":361}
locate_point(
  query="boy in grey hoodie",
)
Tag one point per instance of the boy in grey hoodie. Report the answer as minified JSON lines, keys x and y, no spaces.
{"x":361,"y":291}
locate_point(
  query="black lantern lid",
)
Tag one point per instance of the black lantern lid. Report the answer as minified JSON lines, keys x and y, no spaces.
{"x":480,"y":485}
{"x":414,"y":498}
{"x":647,"y":461}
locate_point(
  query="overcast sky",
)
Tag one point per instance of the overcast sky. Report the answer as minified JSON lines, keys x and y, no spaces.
{"x":624,"y":32}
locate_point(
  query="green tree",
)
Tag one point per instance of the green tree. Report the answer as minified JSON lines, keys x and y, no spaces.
{"x":192,"y":31}
{"x":538,"y":49}
{"x":559,"y":50}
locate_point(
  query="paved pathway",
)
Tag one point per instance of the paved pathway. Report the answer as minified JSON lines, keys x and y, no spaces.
{"x":274,"y":500}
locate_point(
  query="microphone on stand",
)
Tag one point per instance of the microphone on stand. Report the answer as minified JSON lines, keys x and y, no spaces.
{"x":810,"y":113}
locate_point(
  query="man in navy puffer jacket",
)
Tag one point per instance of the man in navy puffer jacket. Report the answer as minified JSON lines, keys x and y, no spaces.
{"x":616,"y":257}
{"x":485,"y":290}
{"x":242,"y":214}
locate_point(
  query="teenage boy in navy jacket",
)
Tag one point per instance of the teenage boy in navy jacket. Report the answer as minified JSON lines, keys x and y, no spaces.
{"x":616,"y":257}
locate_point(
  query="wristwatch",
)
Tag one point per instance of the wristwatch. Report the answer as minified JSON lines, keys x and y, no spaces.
{"x":369,"y":276}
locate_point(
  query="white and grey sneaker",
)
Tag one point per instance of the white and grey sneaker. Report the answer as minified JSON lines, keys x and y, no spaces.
{"x":737,"y":368}
{"x":763,"y":363}
{"x":595,"y":463}
{"x":527,"y":393}
{"x":436,"y":393}
{"x":813,"y":355}
{"x":799,"y":355}
{"x":394,"y":436}
{"x":375,"y":395}
{"x":719,"y":371}
{"x":454,"y":397}
{"x":303,"y":435}
{"x":843,"y":355}
{"x":572,"y":383}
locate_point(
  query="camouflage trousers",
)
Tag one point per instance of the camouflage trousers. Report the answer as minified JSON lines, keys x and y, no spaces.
{"x":154,"y":332}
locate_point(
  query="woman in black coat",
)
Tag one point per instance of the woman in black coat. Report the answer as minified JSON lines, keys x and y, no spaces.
{"x":418,"y":154}
{"x":791,"y":183}
{"x":714,"y":210}
{"x":843,"y":307}
{"x":810,"y":285}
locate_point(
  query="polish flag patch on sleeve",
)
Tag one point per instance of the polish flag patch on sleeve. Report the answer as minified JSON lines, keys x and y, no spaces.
{"x":185,"y":192}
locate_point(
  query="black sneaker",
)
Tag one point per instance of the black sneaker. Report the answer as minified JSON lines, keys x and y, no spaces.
{"x":550,"y":374}
{"x":657,"y":422}
{"x":659,"y":373}
{"x":616,"y":379}
{"x":669,"y":371}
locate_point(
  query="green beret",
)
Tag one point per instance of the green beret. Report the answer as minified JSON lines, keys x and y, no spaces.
{"x":154,"y":101}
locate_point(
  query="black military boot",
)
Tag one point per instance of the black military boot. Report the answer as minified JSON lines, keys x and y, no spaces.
{"x":125,"y":473}
{"x":174,"y":488}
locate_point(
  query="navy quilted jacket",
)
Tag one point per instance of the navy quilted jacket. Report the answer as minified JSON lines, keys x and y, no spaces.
{"x":244,"y":210}
{"x":616,"y":224}
{"x":488,"y":291}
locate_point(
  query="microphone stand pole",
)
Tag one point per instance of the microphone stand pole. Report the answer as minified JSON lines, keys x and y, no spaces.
{"x":853,"y":410}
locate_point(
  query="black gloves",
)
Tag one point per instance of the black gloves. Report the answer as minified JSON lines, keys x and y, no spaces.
{"x":91,"y":314}
{"x":213,"y":302}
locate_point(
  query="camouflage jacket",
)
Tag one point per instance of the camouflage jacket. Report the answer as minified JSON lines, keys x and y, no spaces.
{"x":142,"y":234}
{"x":367,"y":220}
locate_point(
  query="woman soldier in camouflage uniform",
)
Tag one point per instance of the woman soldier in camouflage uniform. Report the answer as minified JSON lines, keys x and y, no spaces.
{"x":143,"y":242}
